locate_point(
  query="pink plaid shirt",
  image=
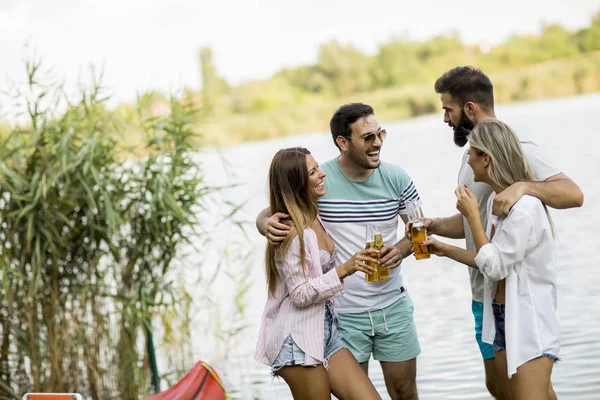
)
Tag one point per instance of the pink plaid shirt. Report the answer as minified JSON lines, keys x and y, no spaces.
{"x":298,"y":307}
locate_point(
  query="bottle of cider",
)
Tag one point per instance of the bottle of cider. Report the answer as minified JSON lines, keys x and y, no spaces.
{"x":384,"y":272}
{"x":419,"y":234}
{"x":373,"y":276}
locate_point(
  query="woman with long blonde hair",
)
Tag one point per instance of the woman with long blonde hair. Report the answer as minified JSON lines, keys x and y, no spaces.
{"x":299,"y":337}
{"x":520,"y":302}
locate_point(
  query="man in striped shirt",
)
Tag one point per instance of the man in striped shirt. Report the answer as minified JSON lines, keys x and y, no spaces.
{"x":375,"y":318}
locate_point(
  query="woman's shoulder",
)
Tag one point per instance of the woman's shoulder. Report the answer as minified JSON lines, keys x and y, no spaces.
{"x":528,"y":203}
{"x":309,"y":233}
{"x":310,"y":239}
{"x":530,"y":208}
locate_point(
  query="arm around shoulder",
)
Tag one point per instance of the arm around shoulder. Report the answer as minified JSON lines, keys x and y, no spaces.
{"x":552,"y":187}
{"x":558,"y":191}
{"x":261,"y":220}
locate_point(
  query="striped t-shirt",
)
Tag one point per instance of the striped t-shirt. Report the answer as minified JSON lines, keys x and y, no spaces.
{"x":346,"y":210}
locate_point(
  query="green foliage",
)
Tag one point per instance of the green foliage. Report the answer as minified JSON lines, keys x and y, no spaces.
{"x":588,"y":39}
{"x":307,"y":78}
{"x":301,"y":99}
{"x":90,"y":234}
{"x":396,"y":64}
{"x":554,"y":42}
{"x":552,"y":78}
{"x":259,"y":96}
{"x":212,"y":85}
{"x":346,"y":68}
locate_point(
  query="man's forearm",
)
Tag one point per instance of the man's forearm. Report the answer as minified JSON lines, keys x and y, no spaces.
{"x":451,"y":227}
{"x":261,"y":220}
{"x":461,"y":255}
{"x":405,"y":247}
{"x":558,"y":193}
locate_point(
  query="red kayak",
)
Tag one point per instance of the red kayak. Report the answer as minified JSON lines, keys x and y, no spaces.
{"x":201,"y":383}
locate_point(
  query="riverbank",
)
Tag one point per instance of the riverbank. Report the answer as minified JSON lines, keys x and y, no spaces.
{"x":551,"y":79}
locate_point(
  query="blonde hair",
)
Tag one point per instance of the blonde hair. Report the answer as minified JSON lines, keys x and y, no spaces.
{"x":289,"y":193}
{"x":501,"y":144}
{"x":508,"y":161}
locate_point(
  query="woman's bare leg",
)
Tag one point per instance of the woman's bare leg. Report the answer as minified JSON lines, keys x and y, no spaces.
{"x":532,"y":380}
{"x":552,"y":395}
{"x":348,"y":380}
{"x":307,"y":383}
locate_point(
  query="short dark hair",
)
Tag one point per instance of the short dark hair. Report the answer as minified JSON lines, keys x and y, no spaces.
{"x":467,"y":84}
{"x":345,"y":116}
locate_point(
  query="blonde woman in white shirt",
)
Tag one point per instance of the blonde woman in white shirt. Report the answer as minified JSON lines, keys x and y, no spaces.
{"x":520,"y":306}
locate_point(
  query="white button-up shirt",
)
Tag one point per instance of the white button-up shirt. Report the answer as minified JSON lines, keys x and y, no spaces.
{"x":522,"y":251}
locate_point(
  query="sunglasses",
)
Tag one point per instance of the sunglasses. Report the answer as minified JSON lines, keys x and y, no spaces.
{"x":369,"y":139}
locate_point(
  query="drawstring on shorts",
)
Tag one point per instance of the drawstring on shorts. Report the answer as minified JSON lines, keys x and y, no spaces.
{"x":373,"y":325}
{"x":384,"y":320}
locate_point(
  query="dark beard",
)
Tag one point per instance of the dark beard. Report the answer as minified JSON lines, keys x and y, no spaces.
{"x":357,"y":157}
{"x":462,"y":131}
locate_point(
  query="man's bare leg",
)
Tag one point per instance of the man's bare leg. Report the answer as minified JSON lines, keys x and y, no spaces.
{"x":401,"y":379}
{"x":493,"y":380}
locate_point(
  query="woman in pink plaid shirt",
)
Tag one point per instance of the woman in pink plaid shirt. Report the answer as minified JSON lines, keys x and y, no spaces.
{"x":298,"y":337}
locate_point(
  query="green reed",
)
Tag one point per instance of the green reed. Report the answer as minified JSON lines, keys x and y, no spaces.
{"x":91,"y":231}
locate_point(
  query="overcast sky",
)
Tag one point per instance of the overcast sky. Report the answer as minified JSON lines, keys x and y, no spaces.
{"x":153,"y":44}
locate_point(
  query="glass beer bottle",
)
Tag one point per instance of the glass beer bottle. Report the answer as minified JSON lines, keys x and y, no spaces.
{"x":419,"y":234}
{"x":417,"y":230}
{"x":373,"y":276}
{"x":384,"y":272}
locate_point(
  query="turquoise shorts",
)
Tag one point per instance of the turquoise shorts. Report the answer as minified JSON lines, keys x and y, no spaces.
{"x":389,"y":334}
{"x":486,"y":349}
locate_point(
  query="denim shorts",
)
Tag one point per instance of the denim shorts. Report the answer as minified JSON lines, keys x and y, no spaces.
{"x":500,"y":337}
{"x":291,"y":354}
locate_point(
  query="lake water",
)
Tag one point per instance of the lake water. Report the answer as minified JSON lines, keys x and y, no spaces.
{"x":450,"y":365}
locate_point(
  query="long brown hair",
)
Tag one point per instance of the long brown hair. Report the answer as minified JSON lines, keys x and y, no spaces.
{"x":289,"y":193}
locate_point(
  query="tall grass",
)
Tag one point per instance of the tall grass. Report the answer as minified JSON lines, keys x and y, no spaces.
{"x":90,"y":231}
